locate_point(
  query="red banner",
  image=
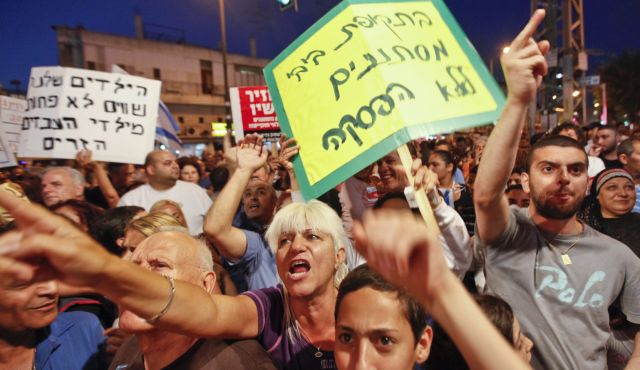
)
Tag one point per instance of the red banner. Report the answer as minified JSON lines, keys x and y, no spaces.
{"x":253,"y":111}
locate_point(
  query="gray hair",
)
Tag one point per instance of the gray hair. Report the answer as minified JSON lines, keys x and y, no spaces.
{"x":626,"y":146}
{"x":204,"y":258}
{"x":76,"y":176}
{"x":297,"y":217}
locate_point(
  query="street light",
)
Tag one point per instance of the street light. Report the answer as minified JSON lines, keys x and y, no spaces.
{"x":288,"y":4}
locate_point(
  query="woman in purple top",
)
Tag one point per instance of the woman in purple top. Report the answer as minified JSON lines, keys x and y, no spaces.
{"x":295,"y":320}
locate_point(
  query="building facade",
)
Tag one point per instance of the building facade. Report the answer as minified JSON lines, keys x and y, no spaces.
{"x":192,"y":76}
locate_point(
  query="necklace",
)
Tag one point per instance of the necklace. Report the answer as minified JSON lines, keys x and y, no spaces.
{"x":318,"y":353}
{"x":566,"y":260}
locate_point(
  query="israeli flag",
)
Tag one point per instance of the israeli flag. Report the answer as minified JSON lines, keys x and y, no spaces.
{"x":167,"y":130}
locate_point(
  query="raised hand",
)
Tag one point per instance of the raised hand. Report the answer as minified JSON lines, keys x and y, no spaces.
{"x":250,"y":154}
{"x":288,"y":149}
{"x":525,"y":65}
{"x":401,"y":248}
{"x":85,"y":160}
{"x":595,"y":150}
{"x":230,"y":152}
{"x":424,"y":178}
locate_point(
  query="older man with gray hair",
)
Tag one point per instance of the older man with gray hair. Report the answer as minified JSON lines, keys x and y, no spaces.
{"x":176,"y":255}
{"x":60,"y":184}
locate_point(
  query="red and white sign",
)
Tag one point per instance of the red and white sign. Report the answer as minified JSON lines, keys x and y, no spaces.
{"x":253,"y":111}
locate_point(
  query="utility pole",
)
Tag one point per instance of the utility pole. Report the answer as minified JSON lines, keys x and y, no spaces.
{"x":223,"y":35}
{"x":567,"y":60}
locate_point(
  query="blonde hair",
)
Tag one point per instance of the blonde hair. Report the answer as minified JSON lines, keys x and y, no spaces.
{"x":298,"y":217}
{"x":157,"y":206}
{"x":152,"y":223}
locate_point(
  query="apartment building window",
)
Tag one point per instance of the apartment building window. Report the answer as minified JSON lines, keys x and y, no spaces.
{"x":200,"y":119}
{"x":206,"y":76}
{"x":65,"y":54}
{"x":91,"y":65}
{"x":156,"y":74}
{"x":248,"y":75}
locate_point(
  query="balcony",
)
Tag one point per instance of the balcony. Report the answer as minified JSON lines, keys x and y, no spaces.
{"x":178,"y":92}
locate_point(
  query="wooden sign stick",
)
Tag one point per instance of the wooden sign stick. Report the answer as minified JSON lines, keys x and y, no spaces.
{"x":421,"y":196}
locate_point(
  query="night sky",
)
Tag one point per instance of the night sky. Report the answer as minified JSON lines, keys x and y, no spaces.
{"x":28,"y":40}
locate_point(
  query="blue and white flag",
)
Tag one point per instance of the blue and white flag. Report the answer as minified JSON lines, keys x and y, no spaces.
{"x":167,"y":129}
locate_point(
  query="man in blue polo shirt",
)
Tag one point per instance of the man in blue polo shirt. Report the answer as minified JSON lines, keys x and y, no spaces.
{"x":248,"y":258}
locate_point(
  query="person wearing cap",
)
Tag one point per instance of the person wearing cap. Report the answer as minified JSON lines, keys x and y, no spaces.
{"x":608,"y":208}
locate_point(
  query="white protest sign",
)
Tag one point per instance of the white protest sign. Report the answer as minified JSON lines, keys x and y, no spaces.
{"x":70,"y":109}
{"x":7,"y":159}
{"x":11,"y":114}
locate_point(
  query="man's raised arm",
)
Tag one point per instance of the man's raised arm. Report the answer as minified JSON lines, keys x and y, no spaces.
{"x":231,"y":241}
{"x":524,"y":66}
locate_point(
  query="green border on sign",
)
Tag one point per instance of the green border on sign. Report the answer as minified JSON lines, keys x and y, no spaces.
{"x":400,"y":137}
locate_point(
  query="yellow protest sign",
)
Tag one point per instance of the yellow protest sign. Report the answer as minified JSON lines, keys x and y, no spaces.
{"x":371,"y":75}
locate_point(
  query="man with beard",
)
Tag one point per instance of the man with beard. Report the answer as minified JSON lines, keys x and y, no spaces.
{"x":178,"y":256}
{"x":247,"y":256}
{"x":163,"y":173}
{"x":558,"y":274}
{"x":606,"y":141}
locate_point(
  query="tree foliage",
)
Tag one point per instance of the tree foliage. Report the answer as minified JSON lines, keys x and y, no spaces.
{"x":622,"y":76}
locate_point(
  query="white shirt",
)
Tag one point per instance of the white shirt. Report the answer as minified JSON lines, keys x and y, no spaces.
{"x":595,"y":166}
{"x":193,"y":199}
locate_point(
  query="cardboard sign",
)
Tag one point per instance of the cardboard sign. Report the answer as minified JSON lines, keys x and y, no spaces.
{"x":371,"y":75}
{"x":7,"y":159}
{"x":71,"y":109}
{"x":11,"y":114}
{"x":252,"y":111}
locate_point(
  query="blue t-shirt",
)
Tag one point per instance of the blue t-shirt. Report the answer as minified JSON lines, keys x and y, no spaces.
{"x":458,"y":177}
{"x":72,"y":341}
{"x":257,"y":267}
{"x":636,"y":208}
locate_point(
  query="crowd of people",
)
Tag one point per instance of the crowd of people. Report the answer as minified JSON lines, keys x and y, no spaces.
{"x":218,"y":262}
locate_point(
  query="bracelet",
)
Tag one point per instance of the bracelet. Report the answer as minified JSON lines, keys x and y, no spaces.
{"x":157,"y":317}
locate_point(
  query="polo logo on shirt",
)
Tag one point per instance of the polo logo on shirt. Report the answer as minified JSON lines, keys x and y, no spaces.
{"x":556,"y":280}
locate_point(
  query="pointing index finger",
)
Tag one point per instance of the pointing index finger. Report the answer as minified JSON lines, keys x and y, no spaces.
{"x":529,"y":30}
